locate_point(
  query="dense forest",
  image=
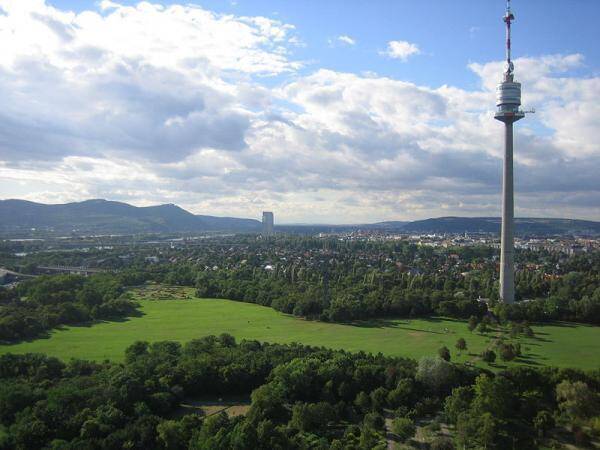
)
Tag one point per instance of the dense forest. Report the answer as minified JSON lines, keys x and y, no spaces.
{"x":301,"y":398}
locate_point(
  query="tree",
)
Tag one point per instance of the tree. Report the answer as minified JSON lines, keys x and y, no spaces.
{"x":473,"y":427}
{"x":577,"y":400}
{"x":461,"y":345}
{"x":444,"y":353}
{"x":517,"y":349}
{"x":494,"y":395}
{"x":403,"y":427}
{"x":135,"y":350}
{"x":488,"y":356}
{"x":369,"y":438}
{"x":363,"y":401}
{"x":267,"y":403}
{"x":379,"y":398}
{"x":403,"y":394}
{"x":374,"y":420}
{"x":458,"y":402}
{"x":542,"y":422}
{"x":311,"y":416}
{"x":213,"y":433}
{"x":170,"y":434}
{"x":507,"y":352}
{"x":487,"y":430}
{"x":226,"y":340}
{"x":435,"y":373}
{"x":441,"y":443}
{"x":243,"y":436}
{"x":472,"y":323}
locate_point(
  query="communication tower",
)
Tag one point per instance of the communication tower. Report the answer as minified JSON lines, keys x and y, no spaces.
{"x":508,"y":102}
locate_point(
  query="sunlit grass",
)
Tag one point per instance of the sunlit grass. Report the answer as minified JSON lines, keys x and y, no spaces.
{"x":186,"y":317}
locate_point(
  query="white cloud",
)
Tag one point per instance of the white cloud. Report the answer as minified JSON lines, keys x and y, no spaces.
{"x":181,"y":38}
{"x":401,"y":50}
{"x":157,"y":81}
{"x":346,"y":39}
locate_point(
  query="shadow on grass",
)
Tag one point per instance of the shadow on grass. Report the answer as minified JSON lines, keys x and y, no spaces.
{"x":541,"y":339}
{"x":402,"y":323}
{"x":541,"y":333}
{"x":561,"y":324}
{"x":498,"y":366}
{"x":528,"y":361}
{"x":47,"y":334}
{"x":373,"y":323}
{"x":532,"y":359}
{"x":391,"y":323}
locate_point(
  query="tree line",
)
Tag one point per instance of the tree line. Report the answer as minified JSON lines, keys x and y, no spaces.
{"x":36,"y":306}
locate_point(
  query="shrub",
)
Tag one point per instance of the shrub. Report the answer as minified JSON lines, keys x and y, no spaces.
{"x":442,"y":443}
{"x":488,"y":356}
{"x":403,"y":427}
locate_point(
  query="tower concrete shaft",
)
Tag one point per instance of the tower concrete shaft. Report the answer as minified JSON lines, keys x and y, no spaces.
{"x":507,"y":250}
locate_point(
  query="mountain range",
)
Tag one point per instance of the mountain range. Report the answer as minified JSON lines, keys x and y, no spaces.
{"x":103,"y":216}
{"x":523,"y":226}
{"x":20,"y":217}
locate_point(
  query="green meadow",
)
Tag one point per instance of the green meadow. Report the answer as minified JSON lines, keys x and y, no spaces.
{"x":175,"y":314}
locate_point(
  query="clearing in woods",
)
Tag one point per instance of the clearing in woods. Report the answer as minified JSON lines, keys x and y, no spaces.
{"x":169,"y":313}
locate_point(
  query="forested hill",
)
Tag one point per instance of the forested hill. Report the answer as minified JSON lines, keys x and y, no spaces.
{"x":19,"y":217}
{"x":102,"y":216}
{"x":537,"y":226}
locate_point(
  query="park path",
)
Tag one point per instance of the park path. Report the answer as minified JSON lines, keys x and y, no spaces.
{"x":389,"y":436}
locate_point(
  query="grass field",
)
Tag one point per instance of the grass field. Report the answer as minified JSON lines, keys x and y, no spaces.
{"x":184,"y":317}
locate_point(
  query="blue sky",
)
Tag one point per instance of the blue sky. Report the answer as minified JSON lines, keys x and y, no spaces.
{"x":450,"y":33}
{"x":322,"y":111}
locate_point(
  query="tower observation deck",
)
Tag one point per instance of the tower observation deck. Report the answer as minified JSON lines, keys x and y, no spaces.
{"x":508,"y":102}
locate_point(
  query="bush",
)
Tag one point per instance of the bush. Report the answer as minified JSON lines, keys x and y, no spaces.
{"x":444,"y":353}
{"x":580,"y":437}
{"x":442,"y":443}
{"x":595,"y":426}
{"x":488,"y":356}
{"x":507,"y":352}
{"x":403,"y":427}
{"x":374,"y":420}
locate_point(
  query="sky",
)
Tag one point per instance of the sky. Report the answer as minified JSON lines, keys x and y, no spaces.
{"x":320,"y":111}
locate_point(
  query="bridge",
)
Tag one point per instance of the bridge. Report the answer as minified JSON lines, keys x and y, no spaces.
{"x":4,"y":272}
{"x":81,"y":270}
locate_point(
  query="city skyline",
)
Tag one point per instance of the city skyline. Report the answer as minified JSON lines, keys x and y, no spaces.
{"x":230,"y":109}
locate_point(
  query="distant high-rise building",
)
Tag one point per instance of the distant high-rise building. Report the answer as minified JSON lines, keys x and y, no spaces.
{"x":267,"y":223}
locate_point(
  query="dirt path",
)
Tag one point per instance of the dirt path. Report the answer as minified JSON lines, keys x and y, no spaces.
{"x":389,"y":436}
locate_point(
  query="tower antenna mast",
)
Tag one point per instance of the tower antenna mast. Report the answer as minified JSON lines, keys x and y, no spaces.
{"x":508,"y":18}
